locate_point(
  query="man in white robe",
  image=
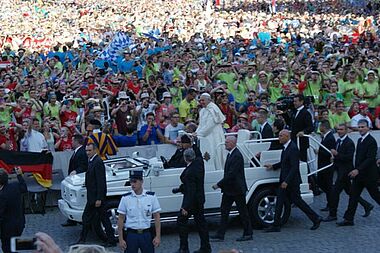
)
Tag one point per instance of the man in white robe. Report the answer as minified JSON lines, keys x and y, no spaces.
{"x":210,"y":133}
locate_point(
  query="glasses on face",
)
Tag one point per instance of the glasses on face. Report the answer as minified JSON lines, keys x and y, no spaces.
{"x":361,"y":126}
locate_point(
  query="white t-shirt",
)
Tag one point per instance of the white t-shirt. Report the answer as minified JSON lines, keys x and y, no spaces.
{"x":357,"y":117}
{"x":144,"y":111}
{"x":171,"y":132}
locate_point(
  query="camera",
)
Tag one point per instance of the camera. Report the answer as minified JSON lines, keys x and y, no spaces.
{"x":285,"y":103}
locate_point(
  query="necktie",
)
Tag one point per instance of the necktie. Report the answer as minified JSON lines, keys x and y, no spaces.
{"x":338,"y":142}
{"x":360,"y":141}
{"x":228,"y":156}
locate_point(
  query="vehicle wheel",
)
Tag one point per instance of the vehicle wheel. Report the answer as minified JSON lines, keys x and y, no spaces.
{"x":262,"y":208}
{"x":112,"y":214}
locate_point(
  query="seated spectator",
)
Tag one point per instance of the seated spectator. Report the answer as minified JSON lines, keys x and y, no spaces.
{"x":171,"y":130}
{"x":150,"y":133}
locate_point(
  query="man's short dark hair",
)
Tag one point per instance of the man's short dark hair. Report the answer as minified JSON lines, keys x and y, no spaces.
{"x":94,"y":146}
{"x":149,"y":114}
{"x":78,"y":138}
{"x":337,"y":103}
{"x":300,"y":97}
{"x":363,"y":121}
{"x":343,"y":125}
{"x":326,"y":124}
{"x":3,"y":177}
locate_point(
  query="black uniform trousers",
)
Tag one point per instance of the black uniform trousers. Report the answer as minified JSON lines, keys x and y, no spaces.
{"x":91,"y":217}
{"x":325,"y":182}
{"x":225,"y":208}
{"x":356,"y":189}
{"x":201,"y":224}
{"x":292,"y":193}
{"x":343,"y":183}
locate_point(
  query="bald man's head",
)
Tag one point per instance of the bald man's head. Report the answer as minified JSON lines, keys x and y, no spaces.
{"x":284,"y":136}
{"x":230,"y":142}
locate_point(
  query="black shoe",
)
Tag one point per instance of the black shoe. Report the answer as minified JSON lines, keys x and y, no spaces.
{"x":244,"y":238}
{"x":216,"y":238}
{"x":316,"y":224}
{"x":345,"y":223}
{"x":326,"y":209}
{"x":272,"y":229}
{"x":202,"y":251}
{"x":69,"y":223}
{"x":182,"y":251}
{"x":368,"y":211}
{"x":329,"y":218}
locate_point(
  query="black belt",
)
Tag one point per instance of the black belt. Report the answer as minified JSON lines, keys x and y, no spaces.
{"x":138,"y":231}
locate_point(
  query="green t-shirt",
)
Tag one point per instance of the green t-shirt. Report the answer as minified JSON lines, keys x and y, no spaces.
{"x":349,"y":97}
{"x":371,"y":89}
{"x":52,"y":111}
{"x":337,"y":95}
{"x":312,"y":89}
{"x":336,"y":119}
{"x":229,"y":78}
{"x":239,"y":94}
{"x":187,"y":110}
{"x":6,"y":115}
{"x":275,"y":93}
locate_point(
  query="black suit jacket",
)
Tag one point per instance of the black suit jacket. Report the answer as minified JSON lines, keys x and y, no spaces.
{"x":96,"y":181}
{"x":302,"y":123}
{"x":290,"y":165}
{"x":79,"y":161}
{"x":266,"y":132}
{"x":324,"y":157}
{"x":343,"y":161}
{"x":177,"y":160}
{"x":365,"y":159}
{"x":12,"y":219}
{"x":233,"y":182}
{"x":192,"y":187}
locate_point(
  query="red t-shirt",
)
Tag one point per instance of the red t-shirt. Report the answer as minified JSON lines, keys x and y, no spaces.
{"x":25,"y":115}
{"x":10,"y":139}
{"x":65,"y":145}
{"x":134,"y":88}
{"x":68,"y":116}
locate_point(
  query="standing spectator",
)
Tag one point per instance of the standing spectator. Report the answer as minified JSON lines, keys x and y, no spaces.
{"x":150,"y":133}
{"x":135,"y":214}
{"x":32,"y":141}
{"x":12,"y":219}
{"x":164,"y":111}
{"x":290,"y":180}
{"x":171,"y":130}
{"x":365,"y":173}
{"x":95,"y":182}
{"x":192,"y":188}
{"x":265,"y":129}
{"x":188,"y":106}
{"x":123,"y":113}
{"x":64,"y":142}
{"x":143,"y":109}
{"x":340,"y":116}
{"x":234,"y":189}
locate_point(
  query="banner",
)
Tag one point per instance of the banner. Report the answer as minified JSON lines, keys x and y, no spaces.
{"x":40,"y":164}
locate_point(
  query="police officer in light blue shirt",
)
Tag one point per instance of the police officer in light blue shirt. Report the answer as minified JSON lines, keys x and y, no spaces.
{"x":136,"y":209}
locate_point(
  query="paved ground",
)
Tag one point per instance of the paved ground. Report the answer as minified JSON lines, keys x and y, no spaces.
{"x":295,"y":236}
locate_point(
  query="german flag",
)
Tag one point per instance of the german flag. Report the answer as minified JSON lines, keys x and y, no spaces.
{"x":40,"y":164}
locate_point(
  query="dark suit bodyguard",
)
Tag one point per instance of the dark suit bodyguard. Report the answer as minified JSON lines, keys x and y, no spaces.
{"x":96,"y":197}
{"x":290,"y":180}
{"x":192,"y":187}
{"x":364,"y":175}
{"x":78,"y":164}
{"x":234,"y":189}
{"x":12,"y":219}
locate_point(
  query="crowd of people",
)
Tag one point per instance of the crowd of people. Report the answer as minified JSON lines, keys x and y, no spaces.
{"x":247,"y":58}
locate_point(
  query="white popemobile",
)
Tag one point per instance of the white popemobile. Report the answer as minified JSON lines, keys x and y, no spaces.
{"x":261,"y":195}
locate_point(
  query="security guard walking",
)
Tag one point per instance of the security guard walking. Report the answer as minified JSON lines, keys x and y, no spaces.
{"x":136,"y":209}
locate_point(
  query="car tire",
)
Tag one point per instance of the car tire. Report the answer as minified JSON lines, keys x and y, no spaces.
{"x":111,"y":209}
{"x":262,"y":208}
